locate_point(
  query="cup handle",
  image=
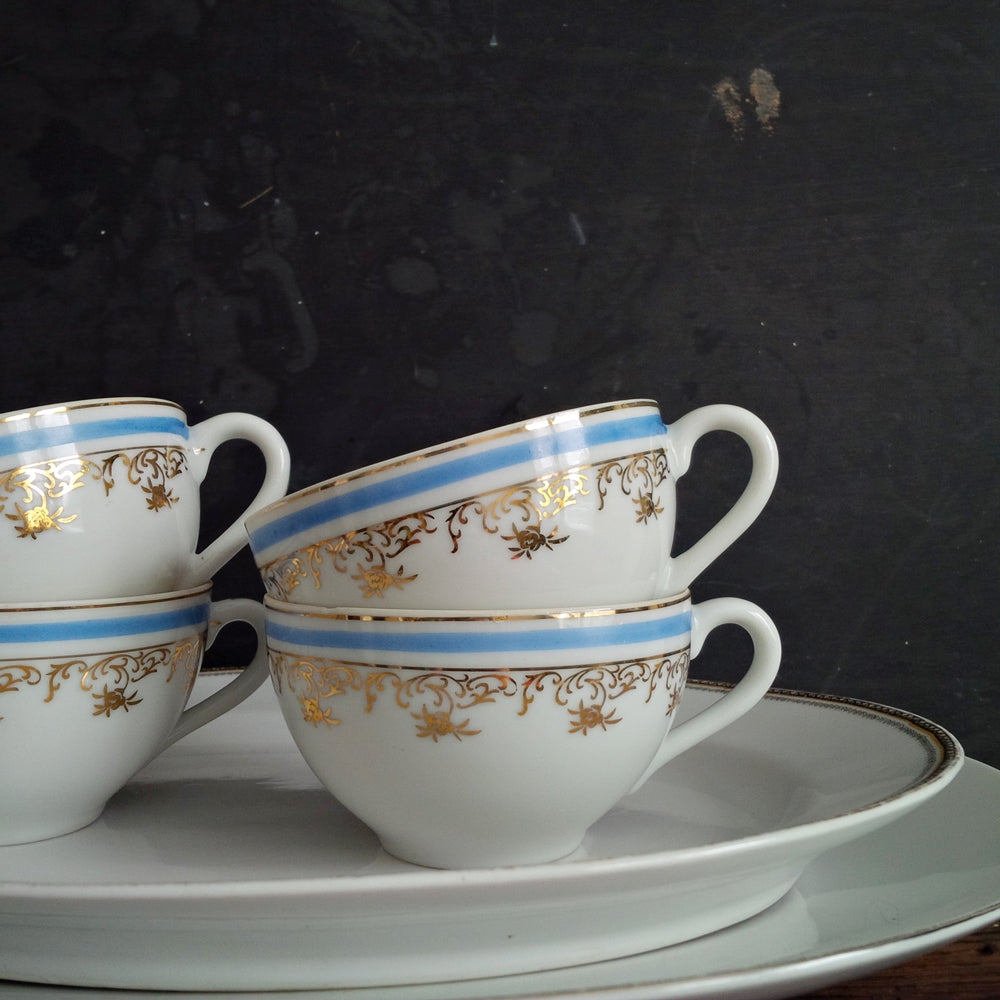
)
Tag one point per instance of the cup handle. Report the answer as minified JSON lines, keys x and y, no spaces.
{"x":740,"y":699}
{"x":205,"y":439}
{"x":682,"y":437}
{"x":222,"y":613}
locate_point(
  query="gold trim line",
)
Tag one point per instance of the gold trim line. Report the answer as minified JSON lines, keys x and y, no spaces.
{"x":39,"y":411}
{"x":401,"y":615}
{"x":165,"y":597}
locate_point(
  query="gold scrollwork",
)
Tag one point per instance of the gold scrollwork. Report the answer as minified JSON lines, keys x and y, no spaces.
{"x":517,"y":515}
{"x":151,"y":469}
{"x":526,"y":504}
{"x":369,"y":550}
{"x":119,"y":674}
{"x":38,"y":485}
{"x":315,"y":681}
{"x":41,"y":485}
{"x":13,"y":675}
{"x":644,"y":473}
{"x":437,"y":699}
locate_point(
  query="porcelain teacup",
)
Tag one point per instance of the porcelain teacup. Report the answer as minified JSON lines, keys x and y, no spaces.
{"x":573,"y":508}
{"x":101,"y":498}
{"x":90,"y":692}
{"x":468,"y":740}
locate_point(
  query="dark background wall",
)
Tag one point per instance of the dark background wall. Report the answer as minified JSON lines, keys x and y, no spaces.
{"x":367,"y":223}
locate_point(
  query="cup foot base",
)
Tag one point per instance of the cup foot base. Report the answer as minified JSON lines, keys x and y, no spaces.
{"x":31,"y":832}
{"x":493,"y":856}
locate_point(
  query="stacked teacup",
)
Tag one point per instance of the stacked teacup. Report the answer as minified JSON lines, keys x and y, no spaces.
{"x":105,"y":604}
{"x":480,"y":647}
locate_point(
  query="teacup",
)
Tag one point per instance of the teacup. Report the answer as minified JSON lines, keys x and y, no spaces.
{"x":89,"y":693}
{"x":574,"y":508}
{"x":100,"y":498}
{"x":469,"y":740}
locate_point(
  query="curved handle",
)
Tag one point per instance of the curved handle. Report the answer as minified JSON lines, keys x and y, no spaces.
{"x":222,"y":613}
{"x":736,"y":702}
{"x":682,"y":437}
{"x":205,"y":439}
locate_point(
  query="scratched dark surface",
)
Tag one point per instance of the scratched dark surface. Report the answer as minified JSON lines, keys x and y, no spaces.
{"x":363,"y":221}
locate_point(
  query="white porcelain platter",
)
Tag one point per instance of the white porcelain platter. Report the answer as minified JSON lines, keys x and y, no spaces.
{"x":901,"y":891}
{"x":225,"y":866}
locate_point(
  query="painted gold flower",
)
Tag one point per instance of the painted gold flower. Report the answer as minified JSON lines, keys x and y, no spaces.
{"x":587,"y":717}
{"x":531,"y":539}
{"x":377,"y":580}
{"x":437,"y":724}
{"x":110,"y":700}
{"x":35,"y":520}
{"x":158,"y":496}
{"x":646,"y":508}
{"x":675,"y":700}
{"x":315,"y":714}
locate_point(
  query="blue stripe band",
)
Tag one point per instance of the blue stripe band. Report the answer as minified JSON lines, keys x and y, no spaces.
{"x":49,"y":437}
{"x":342,"y":503}
{"x":106,"y":628}
{"x":579,"y":637}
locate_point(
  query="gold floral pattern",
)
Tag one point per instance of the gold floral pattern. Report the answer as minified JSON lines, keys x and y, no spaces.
{"x":528,"y":505}
{"x":151,"y":469}
{"x":531,"y":539}
{"x":35,"y":490}
{"x":647,"y":507}
{"x":443,"y":703}
{"x":587,"y":717}
{"x":440,"y":724}
{"x":373,"y":547}
{"x":376,"y":580}
{"x":313,"y":712}
{"x":643,"y":473}
{"x":37,"y":519}
{"x":110,"y":700}
{"x":112,"y":679}
{"x":522,"y":516}
{"x":38,"y":486}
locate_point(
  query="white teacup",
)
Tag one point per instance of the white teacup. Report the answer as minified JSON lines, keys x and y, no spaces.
{"x":471,"y":740}
{"x":89,"y":693}
{"x":100,"y":498}
{"x":574,"y":508}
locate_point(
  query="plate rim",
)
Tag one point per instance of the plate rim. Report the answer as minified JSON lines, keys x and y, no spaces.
{"x":808,"y":972}
{"x":950,"y":758}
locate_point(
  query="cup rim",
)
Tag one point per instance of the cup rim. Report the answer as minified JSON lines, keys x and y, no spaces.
{"x":102,"y":603}
{"x":415,"y":616}
{"x":455,"y":444}
{"x":29,"y":413}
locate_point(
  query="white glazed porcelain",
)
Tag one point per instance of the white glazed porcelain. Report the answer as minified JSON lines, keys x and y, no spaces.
{"x":466,"y":740}
{"x":90,"y":692}
{"x":571,"y":509}
{"x":100,"y":498}
{"x":851,"y":830}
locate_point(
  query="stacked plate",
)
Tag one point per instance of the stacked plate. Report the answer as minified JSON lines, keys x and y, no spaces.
{"x":225,"y":865}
